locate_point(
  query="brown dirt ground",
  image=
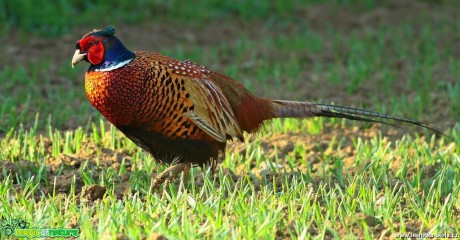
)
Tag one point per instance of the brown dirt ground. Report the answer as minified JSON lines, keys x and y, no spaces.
{"x":159,"y":36}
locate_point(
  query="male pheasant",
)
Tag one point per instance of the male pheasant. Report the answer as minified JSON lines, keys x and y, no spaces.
{"x":181,"y":112}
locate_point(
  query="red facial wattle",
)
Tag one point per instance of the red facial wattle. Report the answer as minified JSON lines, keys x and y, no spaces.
{"x":95,"y":49}
{"x":96,"y":54}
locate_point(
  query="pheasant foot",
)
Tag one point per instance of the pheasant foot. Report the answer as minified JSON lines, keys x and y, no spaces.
{"x":170,"y":173}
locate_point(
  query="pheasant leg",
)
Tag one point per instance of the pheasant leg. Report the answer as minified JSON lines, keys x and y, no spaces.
{"x":170,"y":173}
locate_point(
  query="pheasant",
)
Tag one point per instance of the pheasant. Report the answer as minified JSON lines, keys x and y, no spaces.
{"x":180,"y":112}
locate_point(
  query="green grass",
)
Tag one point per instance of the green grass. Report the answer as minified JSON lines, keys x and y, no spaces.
{"x":57,"y":18}
{"x":334,"y":179}
{"x":285,"y":201}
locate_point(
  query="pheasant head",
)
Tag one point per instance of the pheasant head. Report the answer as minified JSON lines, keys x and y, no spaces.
{"x":102,"y":50}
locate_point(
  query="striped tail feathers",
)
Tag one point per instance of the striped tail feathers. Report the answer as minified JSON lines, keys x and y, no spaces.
{"x":294,"y":109}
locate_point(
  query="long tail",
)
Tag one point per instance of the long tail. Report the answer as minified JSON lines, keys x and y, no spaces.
{"x":293,"y":109}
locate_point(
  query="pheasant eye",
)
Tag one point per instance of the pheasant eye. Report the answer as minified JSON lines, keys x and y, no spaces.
{"x":91,"y":43}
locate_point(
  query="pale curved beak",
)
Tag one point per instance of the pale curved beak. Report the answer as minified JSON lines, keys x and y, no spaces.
{"x":77,"y":57}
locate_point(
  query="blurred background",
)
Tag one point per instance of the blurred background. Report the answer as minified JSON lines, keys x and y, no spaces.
{"x":395,"y":56}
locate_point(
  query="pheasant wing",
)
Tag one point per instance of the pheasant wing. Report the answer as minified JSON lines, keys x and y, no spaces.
{"x":212,"y":112}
